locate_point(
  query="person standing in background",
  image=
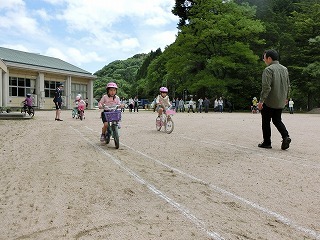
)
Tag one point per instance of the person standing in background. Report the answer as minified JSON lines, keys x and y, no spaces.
{"x":181,"y":105}
{"x":220,"y":105}
{"x":176,"y":106}
{"x":136,"y":104}
{"x":200,"y":102}
{"x":58,"y":101}
{"x":206,"y":103}
{"x":216,"y":105}
{"x":291,"y":106}
{"x":273,"y":98}
{"x":190,"y":107}
{"x":131,"y":104}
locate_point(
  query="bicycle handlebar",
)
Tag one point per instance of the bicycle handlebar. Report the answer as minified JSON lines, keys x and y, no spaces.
{"x":168,"y":108}
{"x":111,"y":108}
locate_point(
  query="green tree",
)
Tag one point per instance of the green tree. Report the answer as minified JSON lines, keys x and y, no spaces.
{"x":306,"y":56}
{"x":181,"y":9}
{"x":123,"y":72}
{"x":143,"y":70}
{"x":212,"y":53}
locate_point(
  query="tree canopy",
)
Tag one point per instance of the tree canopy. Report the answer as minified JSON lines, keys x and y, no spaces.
{"x":217,"y":52}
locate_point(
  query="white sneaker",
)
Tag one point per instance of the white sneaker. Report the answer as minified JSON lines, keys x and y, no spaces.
{"x":102,"y":138}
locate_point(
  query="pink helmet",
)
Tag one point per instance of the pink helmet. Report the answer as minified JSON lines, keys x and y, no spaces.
{"x":78,"y":97}
{"x":111,"y":85}
{"x":163,"y":89}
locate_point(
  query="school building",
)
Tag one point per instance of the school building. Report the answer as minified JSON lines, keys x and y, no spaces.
{"x":39,"y":75}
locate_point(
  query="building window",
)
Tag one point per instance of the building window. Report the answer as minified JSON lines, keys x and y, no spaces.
{"x":50,"y":88}
{"x":20,"y":87}
{"x":78,"y":89}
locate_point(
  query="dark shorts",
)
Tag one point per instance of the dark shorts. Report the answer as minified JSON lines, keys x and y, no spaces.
{"x":103,"y":117}
{"x":58,"y":105}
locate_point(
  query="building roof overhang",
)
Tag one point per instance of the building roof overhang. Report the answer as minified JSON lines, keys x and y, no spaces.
{"x":15,"y":65}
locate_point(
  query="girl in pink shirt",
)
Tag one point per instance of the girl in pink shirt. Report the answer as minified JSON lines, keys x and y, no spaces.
{"x":108,"y":100}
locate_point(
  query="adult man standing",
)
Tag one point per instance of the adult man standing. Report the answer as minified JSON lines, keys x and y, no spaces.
{"x":273,"y":97}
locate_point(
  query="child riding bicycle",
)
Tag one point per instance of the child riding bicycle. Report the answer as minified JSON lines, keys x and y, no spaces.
{"x":79,"y":106}
{"x":163,"y":101}
{"x":27,"y":103}
{"x":254,"y":107}
{"x":108,"y":100}
{"x":80,"y":103}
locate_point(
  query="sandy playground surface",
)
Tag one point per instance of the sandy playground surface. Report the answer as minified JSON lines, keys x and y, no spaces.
{"x":205,"y":180}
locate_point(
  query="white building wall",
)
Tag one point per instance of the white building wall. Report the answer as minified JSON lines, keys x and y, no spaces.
{"x":67,"y":89}
{"x":40,"y":90}
{"x":3,"y":70}
{"x":5,"y":89}
{"x":39,"y":85}
{"x":90,"y":94}
{"x":1,"y":77}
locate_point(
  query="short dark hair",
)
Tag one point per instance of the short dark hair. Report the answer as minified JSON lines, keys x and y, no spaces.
{"x":272,"y":53}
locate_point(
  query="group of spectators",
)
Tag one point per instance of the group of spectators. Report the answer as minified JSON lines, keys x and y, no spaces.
{"x":132,"y":104}
{"x":201,"y":105}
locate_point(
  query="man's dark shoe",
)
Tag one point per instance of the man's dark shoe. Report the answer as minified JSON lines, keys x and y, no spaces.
{"x":285,"y":143}
{"x":264,"y":145}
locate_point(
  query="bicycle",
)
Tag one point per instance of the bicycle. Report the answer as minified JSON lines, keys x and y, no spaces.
{"x":27,"y":110}
{"x":113,"y":116}
{"x":254,"y":109}
{"x":78,"y":112}
{"x":81,"y":111}
{"x":75,"y":113}
{"x":165,"y":121}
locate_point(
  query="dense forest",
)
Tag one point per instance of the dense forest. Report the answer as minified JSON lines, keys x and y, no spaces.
{"x":218,"y":49}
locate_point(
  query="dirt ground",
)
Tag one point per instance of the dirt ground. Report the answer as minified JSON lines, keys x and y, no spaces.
{"x":205,"y":180}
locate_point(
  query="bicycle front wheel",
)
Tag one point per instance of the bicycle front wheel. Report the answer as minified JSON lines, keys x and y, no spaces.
{"x":31,"y":112}
{"x":116,"y":136}
{"x":81,"y":115}
{"x":108,"y":135}
{"x":169,"y":126}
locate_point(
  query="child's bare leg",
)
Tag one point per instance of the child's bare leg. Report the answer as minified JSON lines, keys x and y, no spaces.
{"x":104,"y":128}
{"x":160,"y":111}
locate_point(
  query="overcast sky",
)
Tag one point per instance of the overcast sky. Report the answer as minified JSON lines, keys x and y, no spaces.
{"x":87,"y":33}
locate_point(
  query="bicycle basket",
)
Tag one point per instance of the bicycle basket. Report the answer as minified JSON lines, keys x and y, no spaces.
{"x":113,"y":116}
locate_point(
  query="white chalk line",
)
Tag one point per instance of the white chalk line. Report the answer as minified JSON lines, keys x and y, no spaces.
{"x":249,"y":150}
{"x":278,"y":216}
{"x":198,"y":223}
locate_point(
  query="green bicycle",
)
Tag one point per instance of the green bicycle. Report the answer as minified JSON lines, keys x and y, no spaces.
{"x":113,"y":117}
